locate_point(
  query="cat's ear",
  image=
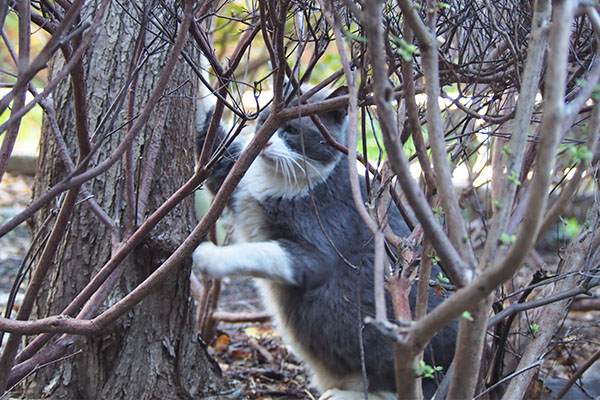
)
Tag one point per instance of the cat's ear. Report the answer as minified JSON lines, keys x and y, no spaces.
{"x":341,"y":91}
{"x":340,"y":113}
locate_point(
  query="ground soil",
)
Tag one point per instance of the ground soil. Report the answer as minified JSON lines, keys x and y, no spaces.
{"x":252,"y":356}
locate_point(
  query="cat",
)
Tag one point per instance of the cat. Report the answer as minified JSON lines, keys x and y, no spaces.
{"x":297,"y":231}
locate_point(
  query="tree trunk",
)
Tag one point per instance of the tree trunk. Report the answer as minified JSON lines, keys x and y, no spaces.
{"x":153,"y":351}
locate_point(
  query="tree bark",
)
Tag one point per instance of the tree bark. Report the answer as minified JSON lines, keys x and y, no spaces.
{"x":153,"y":351}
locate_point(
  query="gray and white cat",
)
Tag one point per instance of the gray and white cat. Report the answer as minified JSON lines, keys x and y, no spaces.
{"x":297,"y":231}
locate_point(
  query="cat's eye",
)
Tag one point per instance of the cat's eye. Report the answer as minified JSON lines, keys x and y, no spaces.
{"x":292,"y":130}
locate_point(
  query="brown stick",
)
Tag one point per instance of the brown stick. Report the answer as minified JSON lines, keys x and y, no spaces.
{"x":589,"y":362}
{"x":22,"y":63}
{"x":241,"y":316}
{"x":585,"y":305}
{"x":40,"y":61}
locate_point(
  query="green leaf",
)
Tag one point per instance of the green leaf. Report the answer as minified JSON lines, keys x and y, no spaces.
{"x":467,"y":315}
{"x":426,"y":371}
{"x":506,"y":150}
{"x":514,"y":178}
{"x":580,"y":154}
{"x":353,"y":36}
{"x":596,"y":92}
{"x":534,"y":328}
{"x":572,"y":227}
{"x":441,"y":278}
{"x":507,"y":239}
{"x":405,"y":49}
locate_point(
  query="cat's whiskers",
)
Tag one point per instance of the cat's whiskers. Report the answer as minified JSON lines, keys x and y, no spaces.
{"x":288,"y":172}
{"x":294,"y":173}
{"x":286,"y":167}
{"x":291,"y":162}
{"x":304,"y":164}
{"x":291,"y":166}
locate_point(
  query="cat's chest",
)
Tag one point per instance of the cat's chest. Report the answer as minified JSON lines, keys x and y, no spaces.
{"x":252,"y":224}
{"x":250,"y":219}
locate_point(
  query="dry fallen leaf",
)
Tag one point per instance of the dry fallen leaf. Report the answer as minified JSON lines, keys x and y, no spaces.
{"x":239,"y":354}
{"x":260,"y":332}
{"x":221,"y":343}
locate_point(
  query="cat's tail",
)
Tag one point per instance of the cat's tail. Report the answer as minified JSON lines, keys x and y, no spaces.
{"x":205,"y":105}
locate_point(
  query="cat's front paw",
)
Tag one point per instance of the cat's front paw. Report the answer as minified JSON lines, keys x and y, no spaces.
{"x":205,"y":259}
{"x":339,"y":394}
{"x":335,"y":394}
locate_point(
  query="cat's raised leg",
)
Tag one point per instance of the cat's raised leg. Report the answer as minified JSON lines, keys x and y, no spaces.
{"x":339,"y":394}
{"x":259,"y":259}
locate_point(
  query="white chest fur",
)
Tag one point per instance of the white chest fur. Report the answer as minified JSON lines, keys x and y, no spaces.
{"x":249,"y":216}
{"x":262,"y":180}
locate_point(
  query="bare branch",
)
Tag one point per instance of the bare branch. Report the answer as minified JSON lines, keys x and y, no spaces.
{"x":380,"y":308}
{"x":577,"y":375}
{"x":430,"y":60}
{"x":40,"y":61}
{"x":452,"y":262}
{"x":23,"y":64}
{"x":555,"y":312}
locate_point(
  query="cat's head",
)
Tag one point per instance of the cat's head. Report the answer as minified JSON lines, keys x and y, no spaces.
{"x":298,"y":149}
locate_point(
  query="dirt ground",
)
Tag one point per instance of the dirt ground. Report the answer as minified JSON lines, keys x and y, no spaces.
{"x":252,"y":356}
{"x":254,"y":360}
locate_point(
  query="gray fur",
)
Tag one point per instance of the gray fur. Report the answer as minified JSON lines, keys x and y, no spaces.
{"x":330,"y":251}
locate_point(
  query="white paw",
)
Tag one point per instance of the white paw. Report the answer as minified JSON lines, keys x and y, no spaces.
{"x":205,"y":259}
{"x":330,"y":395}
{"x":338,"y":394}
